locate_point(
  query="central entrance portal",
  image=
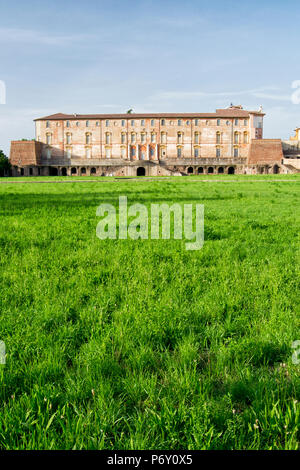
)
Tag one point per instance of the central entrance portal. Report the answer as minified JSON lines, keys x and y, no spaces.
{"x":141,"y":171}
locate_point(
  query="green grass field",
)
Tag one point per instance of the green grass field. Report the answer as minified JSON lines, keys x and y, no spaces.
{"x":123,"y":344}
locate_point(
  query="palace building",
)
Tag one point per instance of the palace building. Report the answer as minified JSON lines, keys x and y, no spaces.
{"x":227,"y":141}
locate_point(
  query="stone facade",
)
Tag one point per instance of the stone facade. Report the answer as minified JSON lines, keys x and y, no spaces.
{"x":148,"y":144}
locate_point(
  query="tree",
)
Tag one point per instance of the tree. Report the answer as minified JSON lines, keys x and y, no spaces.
{"x":5,"y":166}
{"x":129,"y":111}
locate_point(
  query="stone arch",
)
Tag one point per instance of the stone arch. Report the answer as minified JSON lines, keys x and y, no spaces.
{"x":83,"y":171}
{"x":231,"y":170}
{"x":64,"y":172}
{"x":74,"y":171}
{"x":275,"y":169}
{"x":93,"y":171}
{"x":200,"y":170}
{"x":210,"y":170}
{"x":190,"y":170}
{"x":220,"y":170}
{"x":53,"y":171}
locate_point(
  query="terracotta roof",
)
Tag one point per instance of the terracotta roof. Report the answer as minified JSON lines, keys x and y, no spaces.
{"x":220,"y":113}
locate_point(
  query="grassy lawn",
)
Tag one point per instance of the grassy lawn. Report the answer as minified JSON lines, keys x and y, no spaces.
{"x":123,"y":344}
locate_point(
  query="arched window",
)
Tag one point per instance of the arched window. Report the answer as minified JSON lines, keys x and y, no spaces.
{"x":179,"y":152}
{"x":143,"y":137}
{"x":218,"y":137}
{"x":236,"y":152}
{"x":218,"y":122}
{"x":163,"y":138}
{"x":236,"y":122}
{"x":68,"y":123}
{"x":163,"y":122}
{"x":87,"y":138}
{"x":245,"y":137}
{"x":107,"y":138}
{"x":123,"y":123}
{"x":142,"y":122}
{"x":153,"y":137}
{"x":196,"y":122}
{"x":87,"y":123}
{"x":123,"y":138}
{"x":132,"y":123}
{"x":48,"y":139}
{"x":218,"y":152}
{"x":107,"y":152}
{"x":47,"y":124}
{"x":196,"y":137}
{"x":196,"y":152}
{"x":69,"y":138}
{"x":179,"y":137}
{"x":107,"y":123}
{"x":93,"y":171}
{"x":77,"y":123}
{"x":179,"y":122}
{"x":152,"y":122}
{"x":69,"y":152}
{"x":236,"y":137}
{"x":133,"y":137}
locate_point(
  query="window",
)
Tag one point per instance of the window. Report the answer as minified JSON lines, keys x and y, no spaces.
{"x":218,"y":152}
{"x":196,"y":152}
{"x":236,"y":152}
{"x":132,"y":123}
{"x":153,"y":137}
{"x":107,"y":138}
{"x":196,"y":122}
{"x":107,"y":152}
{"x":179,"y":152}
{"x":218,"y":122}
{"x":151,"y":152}
{"x":123,"y":152}
{"x":69,"y":152}
{"x":236,"y":122}
{"x":87,"y":123}
{"x":163,"y":122}
{"x":179,"y":122}
{"x":69,"y":138}
{"x":77,"y":123}
{"x":48,"y":153}
{"x":152,"y":122}
{"x":187,"y":123}
{"x":245,"y":122}
{"x":143,"y":137}
{"x":88,"y":153}
{"x":48,"y":139}
{"x":68,"y":123}
{"x":196,"y":137}
{"x":132,"y":137}
{"x":179,"y":137}
{"x":97,"y":123}
{"x":245,"y":137}
{"x":87,"y":139}
{"x":47,"y":123}
{"x":123,"y":123}
{"x":163,"y":138}
{"x":106,"y":123}
{"x":132,"y":151}
{"x":142,"y":122}
{"x":236,"y":138}
{"x":218,"y":137}
{"x":123,"y":138}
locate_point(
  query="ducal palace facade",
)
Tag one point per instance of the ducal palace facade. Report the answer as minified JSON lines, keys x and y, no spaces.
{"x":227,"y":141}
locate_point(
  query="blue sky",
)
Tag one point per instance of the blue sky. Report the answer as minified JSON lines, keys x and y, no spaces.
{"x":163,"y":56}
